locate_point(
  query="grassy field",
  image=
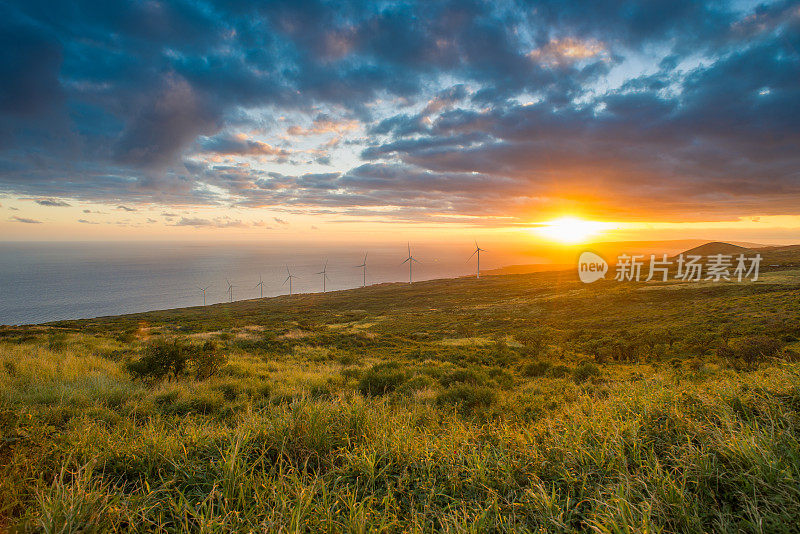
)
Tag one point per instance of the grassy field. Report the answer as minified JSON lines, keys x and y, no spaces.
{"x":522,"y":403}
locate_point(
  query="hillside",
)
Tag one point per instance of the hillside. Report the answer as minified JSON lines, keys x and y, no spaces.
{"x":521,"y":403}
{"x":716,"y":247}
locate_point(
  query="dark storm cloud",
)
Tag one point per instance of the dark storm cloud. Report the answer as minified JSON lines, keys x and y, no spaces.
{"x":130,"y":102}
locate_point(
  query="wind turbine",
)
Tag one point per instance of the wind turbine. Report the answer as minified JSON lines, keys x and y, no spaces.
{"x":324,"y":273}
{"x":289,"y":279}
{"x":364,"y":267}
{"x":261,"y":285}
{"x":410,"y":259}
{"x":203,"y":289}
{"x":230,"y":289}
{"x":477,"y":251}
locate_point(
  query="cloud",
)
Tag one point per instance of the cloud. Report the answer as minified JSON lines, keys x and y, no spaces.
{"x":126,"y":208}
{"x":566,"y":50}
{"x":240,"y":144}
{"x":218,"y":222}
{"x":52,"y":202}
{"x":84,"y":221}
{"x":430,"y":109}
{"x":323,"y":124}
{"x":24,"y":220}
{"x":280,"y":221}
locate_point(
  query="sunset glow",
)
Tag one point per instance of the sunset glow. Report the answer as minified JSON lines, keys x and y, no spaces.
{"x":571,"y":230}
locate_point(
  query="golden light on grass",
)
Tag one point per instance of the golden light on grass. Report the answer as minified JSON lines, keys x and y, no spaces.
{"x":571,"y":230}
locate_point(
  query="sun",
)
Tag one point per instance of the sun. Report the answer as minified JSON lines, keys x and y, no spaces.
{"x":571,"y":230}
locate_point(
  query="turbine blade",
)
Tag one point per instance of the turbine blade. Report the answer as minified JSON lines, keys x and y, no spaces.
{"x":470,"y":256}
{"x":405,"y":260}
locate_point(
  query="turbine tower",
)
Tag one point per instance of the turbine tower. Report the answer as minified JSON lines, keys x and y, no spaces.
{"x":324,"y":273}
{"x":203,"y":289}
{"x":477,"y":251}
{"x":230,"y":289}
{"x":410,"y":259}
{"x":289,"y":279}
{"x":364,"y":267}
{"x":261,"y":285}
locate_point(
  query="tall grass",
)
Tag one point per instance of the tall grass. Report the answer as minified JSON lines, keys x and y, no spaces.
{"x":89,"y":449}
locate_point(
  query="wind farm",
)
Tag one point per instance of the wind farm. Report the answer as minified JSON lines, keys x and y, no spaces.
{"x":289,"y":277}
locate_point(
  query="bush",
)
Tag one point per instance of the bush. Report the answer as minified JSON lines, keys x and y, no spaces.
{"x":417,"y":383}
{"x":462,"y":376}
{"x":533,"y":340}
{"x":164,"y":358}
{"x":536,"y":369}
{"x":584,"y":371}
{"x":381,"y":379}
{"x":503,"y":378}
{"x":207,"y":362}
{"x":468,"y":397}
{"x":160,"y":359}
{"x":560,"y":371}
{"x":754,"y":349}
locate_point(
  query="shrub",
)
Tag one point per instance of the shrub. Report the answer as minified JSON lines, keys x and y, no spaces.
{"x":462,"y":376}
{"x":585,"y":370}
{"x":534,"y":341}
{"x":229,"y":390}
{"x":381,"y":379}
{"x":164,"y":358}
{"x":560,"y":371}
{"x":160,"y":359}
{"x":503,"y":378}
{"x":468,"y":397}
{"x":417,"y":383}
{"x":207,"y":362}
{"x":536,"y":369}
{"x":753,"y":349}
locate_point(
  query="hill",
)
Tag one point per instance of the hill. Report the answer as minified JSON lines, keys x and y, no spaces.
{"x":521,"y":403}
{"x":716,"y":247}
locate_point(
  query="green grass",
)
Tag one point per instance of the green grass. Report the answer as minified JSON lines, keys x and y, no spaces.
{"x":526,"y":403}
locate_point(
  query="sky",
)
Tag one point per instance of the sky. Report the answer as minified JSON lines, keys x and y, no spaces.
{"x":366,"y":121}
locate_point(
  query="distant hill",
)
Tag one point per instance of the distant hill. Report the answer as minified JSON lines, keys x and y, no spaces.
{"x":772,"y":256}
{"x":775,"y":255}
{"x":717,"y":247}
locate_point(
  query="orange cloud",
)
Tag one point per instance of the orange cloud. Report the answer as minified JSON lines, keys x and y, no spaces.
{"x":323,"y":126}
{"x":567,"y":50}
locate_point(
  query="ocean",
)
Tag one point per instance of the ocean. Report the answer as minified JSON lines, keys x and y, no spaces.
{"x":42,"y":282}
